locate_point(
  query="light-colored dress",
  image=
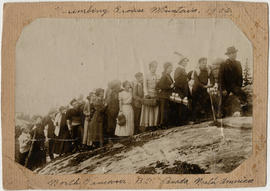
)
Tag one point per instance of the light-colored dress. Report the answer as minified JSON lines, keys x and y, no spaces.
{"x":149,"y":115}
{"x":128,"y":129}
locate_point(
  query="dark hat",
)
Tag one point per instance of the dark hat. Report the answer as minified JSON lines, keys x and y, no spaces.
{"x":138,"y":74}
{"x":72,"y":101}
{"x":153,"y":64}
{"x":99,"y":91}
{"x":230,"y":50}
{"x":201,"y":59}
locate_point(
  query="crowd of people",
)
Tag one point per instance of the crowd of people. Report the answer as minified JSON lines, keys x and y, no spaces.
{"x":128,"y":108}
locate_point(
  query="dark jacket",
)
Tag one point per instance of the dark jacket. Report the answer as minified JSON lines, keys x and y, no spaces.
{"x":137,"y":94}
{"x":164,"y":84}
{"x":230,"y":75}
{"x":201,"y":79}
{"x":181,"y":82}
{"x":48,"y":121}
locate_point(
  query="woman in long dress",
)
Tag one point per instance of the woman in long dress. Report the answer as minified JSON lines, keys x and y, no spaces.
{"x":62,"y":134}
{"x":149,"y":115}
{"x":96,"y":124}
{"x":125,"y":105}
{"x":166,"y":86}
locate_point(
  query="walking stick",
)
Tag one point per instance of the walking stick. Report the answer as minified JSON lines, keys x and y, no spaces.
{"x":30,"y":150}
{"x":213,"y":109}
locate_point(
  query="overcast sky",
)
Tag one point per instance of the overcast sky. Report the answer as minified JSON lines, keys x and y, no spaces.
{"x":59,"y":59}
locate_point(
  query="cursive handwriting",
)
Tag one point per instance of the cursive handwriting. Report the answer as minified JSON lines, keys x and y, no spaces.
{"x":176,"y":10}
{"x":89,"y":10}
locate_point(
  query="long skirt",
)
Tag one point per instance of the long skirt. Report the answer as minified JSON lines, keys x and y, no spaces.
{"x":165,"y":112}
{"x":128,"y":128}
{"x":149,"y":116}
{"x":96,"y":129}
{"x":62,"y":142}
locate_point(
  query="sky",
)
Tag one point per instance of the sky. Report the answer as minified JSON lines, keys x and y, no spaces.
{"x":59,"y":59}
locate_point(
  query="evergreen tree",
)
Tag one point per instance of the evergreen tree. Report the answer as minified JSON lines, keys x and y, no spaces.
{"x":247,"y":79}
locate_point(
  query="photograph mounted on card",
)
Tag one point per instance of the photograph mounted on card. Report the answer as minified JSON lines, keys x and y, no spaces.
{"x":134,"y":95}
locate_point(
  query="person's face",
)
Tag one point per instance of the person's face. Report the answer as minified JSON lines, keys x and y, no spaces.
{"x":75,"y":104}
{"x":203,"y":64}
{"x":153,"y":68}
{"x":62,"y":111}
{"x":101,"y":94}
{"x":185,"y":63}
{"x":127,"y":86}
{"x":140,"y":79}
{"x":169,"y":69}
{"x":38,"y":120}
{"x":52,"y":116}
{"x":232,"y":55}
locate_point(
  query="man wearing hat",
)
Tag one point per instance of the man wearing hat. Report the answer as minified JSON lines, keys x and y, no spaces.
{"x":231,"y":78}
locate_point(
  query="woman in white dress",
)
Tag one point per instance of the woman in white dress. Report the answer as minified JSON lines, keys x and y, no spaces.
{"x":150,"y":114}
{"x":125,"y":106}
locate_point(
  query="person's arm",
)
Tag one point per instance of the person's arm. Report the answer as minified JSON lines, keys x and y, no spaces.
{"x":145,"y":87}
{"x":164,"y":83}
{"x":197,"y":81}
{"x":86,"y":109}
{"x":120,"y":104}
{"x":68,"y":118}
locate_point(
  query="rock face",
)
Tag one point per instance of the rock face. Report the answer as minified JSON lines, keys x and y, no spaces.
{"x":195,"y":149}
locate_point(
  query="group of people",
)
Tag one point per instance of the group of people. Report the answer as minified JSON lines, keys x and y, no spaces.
{"x":144,"y":104}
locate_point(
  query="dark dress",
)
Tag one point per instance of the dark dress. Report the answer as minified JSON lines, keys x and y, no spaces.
{"x":112,"y":111}
{"x":37,"y":156}
{"x":48,"y":121}
{"x":164,"y":85}
{"x":75,"y":116}
{"x":62,"y":141}
{"x":181,"y":87}
{"x":96,"y":124}
{"x":200,"y":98}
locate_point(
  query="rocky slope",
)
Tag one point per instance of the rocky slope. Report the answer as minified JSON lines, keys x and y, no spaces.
{"x":200,"y":148}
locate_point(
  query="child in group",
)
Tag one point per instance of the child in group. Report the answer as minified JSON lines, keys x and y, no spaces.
{"x":24,"y":144}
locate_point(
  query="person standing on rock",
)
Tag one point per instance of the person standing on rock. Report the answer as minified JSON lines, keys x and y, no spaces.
{"x":150,"y":112}
{"x":125,"y":106}
{"x":203,"y":79}
{"x":231,"y":78}
{"x":96,"y":125}
{"x":166,"y":86}
{"x":62,"y":142}
{"x":112,"y":109}
{"x":137,"y":100}
{"x":182,"y":88}
{"x":74,"y":122}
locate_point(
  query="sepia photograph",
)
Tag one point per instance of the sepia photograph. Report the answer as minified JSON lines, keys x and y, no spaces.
{"x":133,"y":96}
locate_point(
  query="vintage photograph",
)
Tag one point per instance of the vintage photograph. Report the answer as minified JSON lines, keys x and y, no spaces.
{"x":133,"y":96}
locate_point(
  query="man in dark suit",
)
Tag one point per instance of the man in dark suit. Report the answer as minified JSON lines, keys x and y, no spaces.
{"x":231,"y":78}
